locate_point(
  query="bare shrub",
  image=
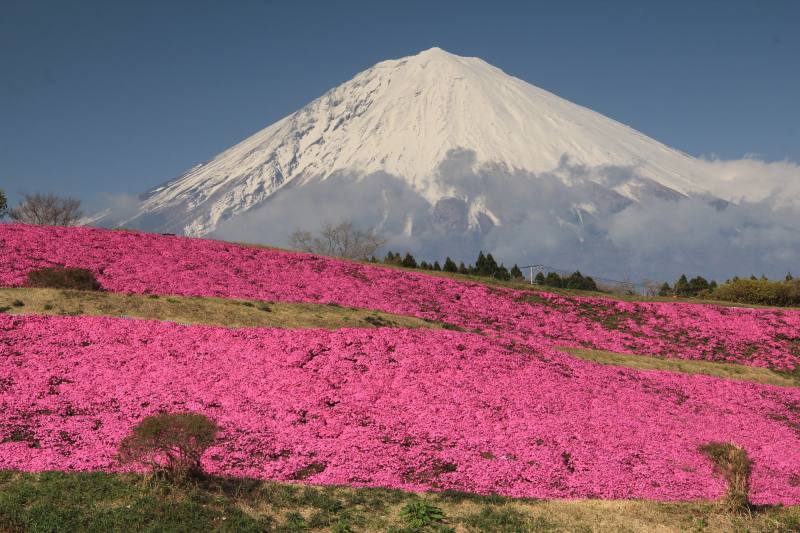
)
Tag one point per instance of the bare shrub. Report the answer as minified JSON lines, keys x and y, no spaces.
{"x":651,"y":288}
{"x":79,"y":279}
{"x":170,"y":443}
{"x":47,"y":210}
{"x":732,"y":463}
{"x":341,"y":240}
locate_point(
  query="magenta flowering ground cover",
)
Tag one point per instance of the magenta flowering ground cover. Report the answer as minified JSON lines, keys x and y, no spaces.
{"x":498,"y":411}
{"x":414,"y":409}
{"x":146,"y":263}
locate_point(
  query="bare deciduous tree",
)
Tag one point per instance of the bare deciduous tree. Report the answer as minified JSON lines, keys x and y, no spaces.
{"x":651,"y":288}
{"x":47,"y":209}
{"x":340,"y":240}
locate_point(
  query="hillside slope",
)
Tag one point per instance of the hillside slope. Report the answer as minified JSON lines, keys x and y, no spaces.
{"x":147,"y":263}
{"x":496,"y":408}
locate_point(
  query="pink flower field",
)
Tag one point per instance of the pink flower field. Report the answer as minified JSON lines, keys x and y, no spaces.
{"x":414,"y":409}
{"x":491,"y":409}
{"x":145,"y":263}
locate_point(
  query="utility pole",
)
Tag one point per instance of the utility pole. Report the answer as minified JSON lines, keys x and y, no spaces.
{"x":538,"y":268}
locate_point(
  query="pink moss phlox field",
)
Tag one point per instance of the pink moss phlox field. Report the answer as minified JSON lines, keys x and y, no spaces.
{"x":145,"y":263}
{"x":413,"y":409}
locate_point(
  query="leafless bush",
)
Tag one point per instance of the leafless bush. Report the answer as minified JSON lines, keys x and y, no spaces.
{"x":651,"y":288}
{"x":341,"y":240}
{"x":48,"y":210}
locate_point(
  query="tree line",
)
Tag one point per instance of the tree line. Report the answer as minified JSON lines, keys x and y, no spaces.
{"x":688,"y":288}
{"x":344,"y":240}
{"x":752,"y":290}
{"x":485,"y":265}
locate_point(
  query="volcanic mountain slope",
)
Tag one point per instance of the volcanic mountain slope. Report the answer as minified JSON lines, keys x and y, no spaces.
{"x":417,"y":126}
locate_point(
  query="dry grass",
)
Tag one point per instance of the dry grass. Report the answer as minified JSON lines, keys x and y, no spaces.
{"x":647,"y":516}
{"x":211,"y":311}
{"x":723,"y":370}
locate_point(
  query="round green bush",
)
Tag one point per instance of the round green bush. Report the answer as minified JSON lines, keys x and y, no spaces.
{"x":170,"y":443}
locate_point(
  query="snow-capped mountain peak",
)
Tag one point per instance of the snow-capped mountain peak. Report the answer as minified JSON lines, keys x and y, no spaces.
{"x":403,"y":117}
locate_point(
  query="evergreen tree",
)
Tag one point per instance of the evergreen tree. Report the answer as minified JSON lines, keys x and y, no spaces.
{"x":393,"y":258}
{"x":665,"y":290}
{"x":424,"y":265}
{"x":789,"y":276}
{"x":552,"y":279}
{"x":539,"y":278}
{"x":516,"y":273}
{"x":489,"y":266}
{"x":480,"y":264}
{"x":409,"y":261}
{"x":682,"y":286}
{"x":449,"y":266}
{"x":436,"y":266}
{"x":573,"y":281}
{"x":3,"y":204}
{"x":501,"y":273}
{"x":578,"y":281}
{"x":462,"y":269}
{"x":697,"y":285}
{"x":713,"y":285}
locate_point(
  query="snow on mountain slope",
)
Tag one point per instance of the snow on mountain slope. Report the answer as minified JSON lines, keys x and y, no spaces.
{"x":403,"y":117}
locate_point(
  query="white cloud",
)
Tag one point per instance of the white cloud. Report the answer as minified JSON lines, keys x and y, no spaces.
{"x":571,"y":218}
{"x":754,"y":180}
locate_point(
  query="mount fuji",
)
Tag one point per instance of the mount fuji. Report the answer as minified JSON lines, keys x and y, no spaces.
{"x":443,"y":155}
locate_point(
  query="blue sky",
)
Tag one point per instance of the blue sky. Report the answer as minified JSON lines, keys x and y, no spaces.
{"x":110,"y":97}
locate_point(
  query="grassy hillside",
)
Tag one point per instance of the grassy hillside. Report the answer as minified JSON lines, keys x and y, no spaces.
{"x":101,"y":502}
{"x":508,"y":410}
{"x":121,"y":502}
